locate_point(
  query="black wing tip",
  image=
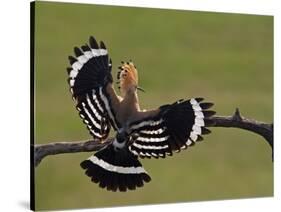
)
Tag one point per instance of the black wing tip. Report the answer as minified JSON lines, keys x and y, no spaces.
{"x":205,"y":131}
{"x":85,"y":48}
{"x":92,"y":38}
{"x":206,"y":105}
{"x":102,"y":45}
{"x":77,"y":51}
{"x":199,"y":99}
{"x":199,"y":138}
{"x":72,"y":59}
{"x":93,"y":43}
{"x":209,"y":113}
{"x":68,"y":69}
{"x":146,"y":178}
{"x":85,"y":164}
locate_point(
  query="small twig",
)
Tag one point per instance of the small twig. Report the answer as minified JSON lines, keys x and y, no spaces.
{"x":236,"y":121}
{"x":237,"y":116}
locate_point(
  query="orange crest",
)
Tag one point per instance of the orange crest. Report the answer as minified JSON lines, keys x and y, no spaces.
{"x":128,"y":76}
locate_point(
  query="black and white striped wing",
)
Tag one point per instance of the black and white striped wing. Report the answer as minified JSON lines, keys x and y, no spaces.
{"x":92,"y":111}
{"x":175,"y":127}
{"x":89,"y":80}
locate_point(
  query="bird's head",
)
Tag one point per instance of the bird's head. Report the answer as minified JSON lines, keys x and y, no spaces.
{"x":128,"y":78}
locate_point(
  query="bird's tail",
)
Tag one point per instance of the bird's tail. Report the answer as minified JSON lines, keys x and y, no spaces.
{"x":115,"y":170}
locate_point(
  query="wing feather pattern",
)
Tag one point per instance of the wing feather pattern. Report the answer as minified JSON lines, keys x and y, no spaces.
{"x":174,"y":127}
{"x":90,"y":82}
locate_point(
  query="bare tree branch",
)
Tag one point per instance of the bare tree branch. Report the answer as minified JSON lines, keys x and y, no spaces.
{"x":235,"y":121}
{"x":43,"y":150}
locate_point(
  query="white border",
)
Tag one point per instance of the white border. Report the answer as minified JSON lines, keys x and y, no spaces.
{"x":14,"y":155}
{"x":239,"y":6}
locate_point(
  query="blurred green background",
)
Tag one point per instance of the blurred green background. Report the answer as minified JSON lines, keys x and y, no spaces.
{"x":226,"y":58}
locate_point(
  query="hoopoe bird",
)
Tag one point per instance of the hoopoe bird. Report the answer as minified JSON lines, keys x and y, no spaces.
{"x":146,"y":134}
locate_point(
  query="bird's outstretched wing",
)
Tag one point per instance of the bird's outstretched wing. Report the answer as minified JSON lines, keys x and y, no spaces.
{"x":90,"y":83}
{"x":171,"y":128}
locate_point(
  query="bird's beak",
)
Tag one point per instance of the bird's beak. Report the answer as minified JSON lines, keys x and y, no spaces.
{"x":139,"y":88}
